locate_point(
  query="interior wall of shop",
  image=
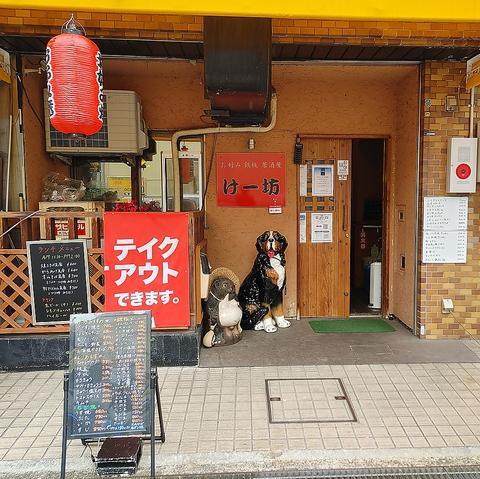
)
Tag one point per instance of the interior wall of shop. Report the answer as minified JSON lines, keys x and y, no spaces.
{"x":353,"y":100}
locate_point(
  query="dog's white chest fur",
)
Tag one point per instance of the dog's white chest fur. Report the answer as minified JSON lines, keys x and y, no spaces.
{"x":276,"y":264}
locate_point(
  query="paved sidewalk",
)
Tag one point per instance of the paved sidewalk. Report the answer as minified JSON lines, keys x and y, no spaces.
{"x":217,"y":419}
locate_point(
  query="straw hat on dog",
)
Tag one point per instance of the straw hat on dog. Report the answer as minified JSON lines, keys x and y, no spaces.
{"x":224,"y":273}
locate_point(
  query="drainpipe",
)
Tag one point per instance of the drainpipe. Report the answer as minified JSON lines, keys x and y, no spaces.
{"x":218,"y":129}
{"x":472,"y":103}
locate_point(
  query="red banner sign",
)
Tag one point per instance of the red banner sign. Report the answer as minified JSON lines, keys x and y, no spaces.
{"x":250,"y":179}
{"x":147,"y":265}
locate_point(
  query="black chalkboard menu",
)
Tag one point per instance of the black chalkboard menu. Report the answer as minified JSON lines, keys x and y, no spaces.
{"x":109,"y":382}
{"x":59,"y":280}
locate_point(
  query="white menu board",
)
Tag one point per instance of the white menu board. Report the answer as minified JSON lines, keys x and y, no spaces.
{"x":445,"y":221}
{"x":444,"y":246}
{"x":445,"y":213}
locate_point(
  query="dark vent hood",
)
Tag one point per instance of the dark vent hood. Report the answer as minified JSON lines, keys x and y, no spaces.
{"x":238,"y":57}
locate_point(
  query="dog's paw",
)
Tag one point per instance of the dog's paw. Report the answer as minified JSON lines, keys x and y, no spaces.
{"x":282,"y":322}
{"x":209,"y":339}
{"x":269,"y":325}
{"x":259,"y":326}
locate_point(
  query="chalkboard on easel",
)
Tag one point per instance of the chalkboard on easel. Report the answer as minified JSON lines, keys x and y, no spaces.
{"x":59,"y":280}
{"x":109,"y":381}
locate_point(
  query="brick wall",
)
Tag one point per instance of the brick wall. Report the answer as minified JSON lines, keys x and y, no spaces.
{"x":183,"y":27}
{"x":456,"y":281}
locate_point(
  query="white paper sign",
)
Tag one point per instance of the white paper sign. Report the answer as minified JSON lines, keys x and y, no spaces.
{"x":322,"y":224}
{"x":445,"y":220}
{"x":342,"y":167}
{"x":302,"y":221}
{"x":322,"y":180}
{"x":445,"y":213}
{"x":444,"y":247}
{"x":303,"y":180}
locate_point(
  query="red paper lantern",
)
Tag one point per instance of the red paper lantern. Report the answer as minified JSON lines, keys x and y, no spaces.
{"x":74,"y":82}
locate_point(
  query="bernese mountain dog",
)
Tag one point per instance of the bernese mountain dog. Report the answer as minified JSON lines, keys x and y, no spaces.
{"x":261,"y":293}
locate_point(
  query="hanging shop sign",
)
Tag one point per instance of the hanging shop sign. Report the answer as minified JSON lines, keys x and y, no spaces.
{"x":147,"y":266}
{"x":251,"y":179}
{"x":74,"y":82}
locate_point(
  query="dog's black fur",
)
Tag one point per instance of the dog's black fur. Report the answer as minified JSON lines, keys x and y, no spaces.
{"x":259,"y":288}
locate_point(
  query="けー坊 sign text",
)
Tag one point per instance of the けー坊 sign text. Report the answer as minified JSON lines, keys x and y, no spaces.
{"x":250,"y":179}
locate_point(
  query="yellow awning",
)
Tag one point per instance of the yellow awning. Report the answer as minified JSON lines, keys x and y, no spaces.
{"x":410,"y":10}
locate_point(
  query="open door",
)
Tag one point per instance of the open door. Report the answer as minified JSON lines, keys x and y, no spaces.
{"x":324,"y":228}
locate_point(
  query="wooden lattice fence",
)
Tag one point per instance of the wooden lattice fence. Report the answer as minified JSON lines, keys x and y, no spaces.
{"x":15,"y":300}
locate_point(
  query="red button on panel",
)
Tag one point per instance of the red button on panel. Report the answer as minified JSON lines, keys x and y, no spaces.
{"x":463,"y":171}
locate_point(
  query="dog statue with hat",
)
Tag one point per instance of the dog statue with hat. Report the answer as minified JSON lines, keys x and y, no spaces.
{"x":223,"y":309}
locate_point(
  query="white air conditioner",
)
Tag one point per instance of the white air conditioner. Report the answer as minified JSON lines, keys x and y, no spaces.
{"x":375,"y":285}
{"x":123,"y":131}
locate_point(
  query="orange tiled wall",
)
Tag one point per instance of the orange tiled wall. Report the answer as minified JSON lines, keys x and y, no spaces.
{"x":183,"y":27}
{"x":460,"y":282}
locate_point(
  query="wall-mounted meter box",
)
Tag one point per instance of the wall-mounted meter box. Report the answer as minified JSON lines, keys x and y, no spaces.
{"x":462,"y":165}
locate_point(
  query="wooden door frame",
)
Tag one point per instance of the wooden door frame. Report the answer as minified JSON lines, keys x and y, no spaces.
{"x":386,"y":207}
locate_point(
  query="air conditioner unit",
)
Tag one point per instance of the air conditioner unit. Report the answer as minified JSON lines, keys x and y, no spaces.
{"x":123,"y":132}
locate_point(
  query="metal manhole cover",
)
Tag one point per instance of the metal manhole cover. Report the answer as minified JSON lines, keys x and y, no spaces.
{"x":308,"y":400}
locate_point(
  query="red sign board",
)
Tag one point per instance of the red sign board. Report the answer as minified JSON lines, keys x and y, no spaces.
{"x":250,"y":179}
{"x":147,"y":265}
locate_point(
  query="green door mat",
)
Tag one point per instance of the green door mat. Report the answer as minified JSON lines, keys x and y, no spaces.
{"x":366,"y":325}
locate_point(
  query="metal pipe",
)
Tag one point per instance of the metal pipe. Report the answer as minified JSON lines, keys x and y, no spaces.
{"x":472,"y":103}
{"x":417,"y":199}
{"x":218,"y":129}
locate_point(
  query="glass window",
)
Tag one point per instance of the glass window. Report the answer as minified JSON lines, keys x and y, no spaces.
{"x":158,"y":180}
{"x":109,"y":182}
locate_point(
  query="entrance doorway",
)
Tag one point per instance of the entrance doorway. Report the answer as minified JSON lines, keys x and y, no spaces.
{"x":367,"y":213}
{"x":341,"y":230}
{"x":324,"y":228}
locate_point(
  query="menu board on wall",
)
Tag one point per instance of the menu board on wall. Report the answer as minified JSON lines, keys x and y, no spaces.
{"x":444,"y":246}
{"x":109,"y":384}
{"x":445,"y":213}
{"x":59,"y":280}
{"x":445,"y":221}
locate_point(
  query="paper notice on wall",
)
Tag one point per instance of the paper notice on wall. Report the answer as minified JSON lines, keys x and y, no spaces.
{"x":445,"y":221}
{"x":322,"y":180}
{"x":444,"y":246}
{"x":302,"y":223}
{"x":446,"y":213}
{"x":303,"y":180}
{"x":322,"y":225}
{"x":342,"y":170}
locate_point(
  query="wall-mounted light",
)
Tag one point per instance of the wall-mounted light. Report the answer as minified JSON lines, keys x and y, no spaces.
{"x":251,"y":143}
